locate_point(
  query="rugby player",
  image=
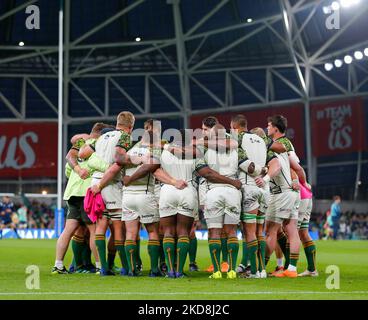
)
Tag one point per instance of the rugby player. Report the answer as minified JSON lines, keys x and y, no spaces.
{"x":78,"y":173}
{"x":276,"y":147}
{"x":177,"y":207}
{"x":305,"y":209}
{"x":168,"y":225}
{"x":223,"y":199}
{"x":255,"y":199}
{"x":283,"y":206}
{"x":112,"y":147}
{"x":207,"y":124}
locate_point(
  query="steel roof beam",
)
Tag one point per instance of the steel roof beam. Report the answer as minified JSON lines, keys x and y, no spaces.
{"x":107,"y":22}
{"x":16,"y":9}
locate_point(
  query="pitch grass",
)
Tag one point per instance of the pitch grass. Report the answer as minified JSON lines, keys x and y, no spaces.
{"x":15,"y":255}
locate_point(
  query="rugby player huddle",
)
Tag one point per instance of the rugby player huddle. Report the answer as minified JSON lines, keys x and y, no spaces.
{"x":246,"y":178}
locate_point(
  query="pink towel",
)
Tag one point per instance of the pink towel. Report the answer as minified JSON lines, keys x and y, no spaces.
{"x":305,"y":193}
{"x":94,"y":205}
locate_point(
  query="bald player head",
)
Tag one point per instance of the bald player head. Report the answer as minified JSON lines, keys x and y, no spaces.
{"x":259,"y":132}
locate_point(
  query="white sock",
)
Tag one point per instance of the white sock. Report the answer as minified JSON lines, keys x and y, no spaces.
{"x":59,"y":264}
{"x":279,"y":262}
{"x":98,"y":265}
{"x":291,"y":268}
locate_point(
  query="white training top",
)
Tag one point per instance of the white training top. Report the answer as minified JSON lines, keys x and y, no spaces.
{"x":256,"y":151}
{"x":180,"y":169}
{"x":282,"y":181}
{"x":105,"y":149}
{"x":145,"y":184}
{"x":225,"y":163}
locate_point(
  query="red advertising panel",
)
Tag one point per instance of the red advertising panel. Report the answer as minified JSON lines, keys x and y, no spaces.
{"x":258,"y":118}
{"x":337,"y":127}
{"x":28,"y":150}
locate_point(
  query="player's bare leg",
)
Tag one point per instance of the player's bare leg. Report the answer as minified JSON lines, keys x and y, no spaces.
{"x":291,"y":229}
{"x":92,"y":244}
{"x":271,"y":229}
{"x":62,"y":245}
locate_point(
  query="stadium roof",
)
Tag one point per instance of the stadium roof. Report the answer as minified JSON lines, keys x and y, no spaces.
{"x":193,"y":56}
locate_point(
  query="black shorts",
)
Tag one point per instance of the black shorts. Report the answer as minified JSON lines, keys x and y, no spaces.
{"x":76,"y":210}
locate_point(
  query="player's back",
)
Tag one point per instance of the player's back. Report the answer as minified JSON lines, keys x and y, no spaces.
{"x":256,"y":151}
{"x":180,"y":169}
{"x":105,"y":148}
{"x":146,"y":183}
{"x":224,"y":162}
{"x":255,"y":148}
{"x":282,"y":181}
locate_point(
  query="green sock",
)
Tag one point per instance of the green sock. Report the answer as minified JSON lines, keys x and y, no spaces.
{"x":101,"y":248}
{"x":175,"y":255}
{"x":310,"y":253}
{"x":233,"y":250}
{"x":182,"y":248}
{"x":162,"y":253}
{"x":266,"y":260}
{"x":138,"y":252}
{"x":169,"y":249}
{"x":78,"y":247}
{"x":131,"y":254}
{"x":193,"y":244}
{"x":261,"y":253}
{"x":111,"y":257}
{"x":253,"y":248}
{"x":224,"y":249}
{"x":73,"y":263}
{"x":154,"y":253}
{"x":245,"y":256}
{"x":215,"y":251}
{"x":282,"y":241}
{"x":120,"y":248}
{"x":87,"y":254}
{"x":294,"y":257}
{"x":287,"y":256}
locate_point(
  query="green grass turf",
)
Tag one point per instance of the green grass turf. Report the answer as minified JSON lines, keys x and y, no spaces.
{"x":15,"y":255}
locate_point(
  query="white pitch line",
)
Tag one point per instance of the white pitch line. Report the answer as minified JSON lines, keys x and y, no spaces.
{"x":182,"y":293}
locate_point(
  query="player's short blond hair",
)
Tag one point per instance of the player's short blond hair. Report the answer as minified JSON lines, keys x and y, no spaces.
{"x":259,"y":132}
{"x":125,"y":119}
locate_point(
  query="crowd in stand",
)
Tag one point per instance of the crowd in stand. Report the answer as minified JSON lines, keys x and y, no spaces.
{"x":35,"y":214}
{"x":352,"y":225}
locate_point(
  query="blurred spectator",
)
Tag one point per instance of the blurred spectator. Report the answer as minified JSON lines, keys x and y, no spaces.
{"x":352,"y":226}
{"x":22,"y":217}
{"x":7,"y":211}
{"x":335,"y":216}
